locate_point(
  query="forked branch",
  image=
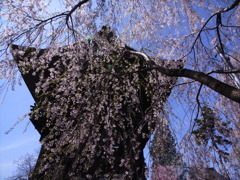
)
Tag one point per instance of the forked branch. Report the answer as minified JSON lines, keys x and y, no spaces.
{"x":69,"y":15}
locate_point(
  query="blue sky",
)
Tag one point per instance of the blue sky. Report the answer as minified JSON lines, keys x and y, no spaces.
{"x":17,"y":143}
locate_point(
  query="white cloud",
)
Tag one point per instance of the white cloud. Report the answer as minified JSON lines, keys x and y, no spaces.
{"x":18,"y":144}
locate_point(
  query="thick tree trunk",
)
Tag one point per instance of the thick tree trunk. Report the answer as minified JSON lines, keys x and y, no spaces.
{"x":99,"y":164}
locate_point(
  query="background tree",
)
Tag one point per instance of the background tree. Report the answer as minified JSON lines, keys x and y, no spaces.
{"x":211,"y":128}
{"x":166,"y":159}
{"x":163,"y":148}
{"x":203,"y":34}
{"x":213,"y":134}
{"x":25,"y":167}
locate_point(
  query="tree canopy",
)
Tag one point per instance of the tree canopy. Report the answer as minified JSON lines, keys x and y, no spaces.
{"x":203,"y":35}
{"x":96,"y":106}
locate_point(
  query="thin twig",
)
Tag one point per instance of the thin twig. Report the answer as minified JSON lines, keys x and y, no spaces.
{"x":235,"y":4}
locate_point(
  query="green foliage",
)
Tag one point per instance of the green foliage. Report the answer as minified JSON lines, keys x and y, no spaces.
{"x":163,"y":148}
{"x":213,"y":131}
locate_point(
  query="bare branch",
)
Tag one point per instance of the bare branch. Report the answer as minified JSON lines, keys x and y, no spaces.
{"x":69,"y":15}
{"x":235,"y":4}
{"x":224,"y":71}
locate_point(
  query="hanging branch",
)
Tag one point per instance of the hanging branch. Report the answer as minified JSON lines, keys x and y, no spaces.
{"x":218,"y":14}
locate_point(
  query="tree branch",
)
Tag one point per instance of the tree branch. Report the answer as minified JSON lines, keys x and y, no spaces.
{"x":224,"y":71}
{"x":216,"y":85}
{"x":218,"y":13}
{"x":69,"y":15}
{"x":235,"y":4}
